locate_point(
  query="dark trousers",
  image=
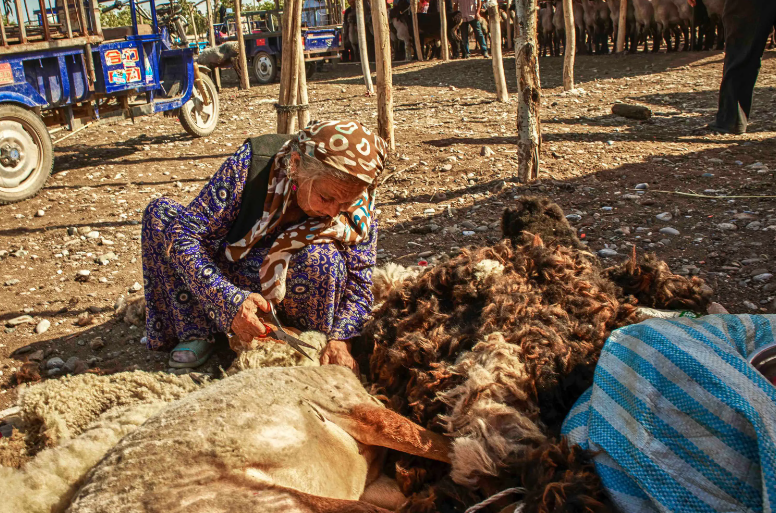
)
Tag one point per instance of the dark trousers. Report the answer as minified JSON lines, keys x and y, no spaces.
{"x":748,"y":23}
{"x":475,"y":24}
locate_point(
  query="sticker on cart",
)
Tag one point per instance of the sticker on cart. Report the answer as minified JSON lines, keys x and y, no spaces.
{"x":117,"y":76}
{"x":112,"y":57}
{"x":6,"y":73}
{"x":129,"y":56}
{"x":133,"y":74}
{"x":149,"y":72}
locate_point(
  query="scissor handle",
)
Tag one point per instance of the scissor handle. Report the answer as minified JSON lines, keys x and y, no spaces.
{"x":267,"y":329}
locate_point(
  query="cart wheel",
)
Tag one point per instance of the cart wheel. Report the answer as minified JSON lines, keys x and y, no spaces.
{"x":26,"y":154}
{"x":197,"y":118}
{"x":265,"y":68}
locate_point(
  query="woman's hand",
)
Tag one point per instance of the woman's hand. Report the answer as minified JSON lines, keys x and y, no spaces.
{"x":337,"y":352}
{"x":246,"y":324}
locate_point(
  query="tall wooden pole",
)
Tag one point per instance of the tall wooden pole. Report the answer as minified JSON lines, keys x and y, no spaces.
{"x":289,"y":68}
{"x":362,"y":49}
{"x":211,"y":39}
{"x":571,"y":46}
{"x":443,"y":30}
{"x":622,"y":28}
{"x":510,"y":38}
{"x":415,"y":30}
{"x":304,"y":114}
{"x":528,"y":91}
{"x":241,"y":60}
{"x":384,"y":77}
{"x":495,"y":47}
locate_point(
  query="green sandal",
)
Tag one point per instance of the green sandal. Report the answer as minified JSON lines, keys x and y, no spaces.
{"x":201,"y":348}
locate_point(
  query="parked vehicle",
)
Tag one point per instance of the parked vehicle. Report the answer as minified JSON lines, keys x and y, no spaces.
{"x":263,"y":37}
{"x":63,"y":70}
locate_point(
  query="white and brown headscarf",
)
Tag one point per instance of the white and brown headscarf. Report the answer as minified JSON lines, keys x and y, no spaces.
{"x":343,"y":145}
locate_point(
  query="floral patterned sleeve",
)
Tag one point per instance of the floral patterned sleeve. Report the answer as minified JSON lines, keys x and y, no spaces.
{"x":356,"y":304}
{"x":200,"y":229}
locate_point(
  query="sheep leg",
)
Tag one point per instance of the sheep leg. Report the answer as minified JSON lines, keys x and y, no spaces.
{"x":378,"y":426}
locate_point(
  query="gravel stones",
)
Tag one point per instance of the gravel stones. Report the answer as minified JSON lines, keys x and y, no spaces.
{"x":764,"y":277}
{"x":642,"y":186}
{"x":83,"y":275}
{"x":94,"y":234}
{"x":487,"y":151}
{"x":75,"y":365}
{"x":18,"y":321}
{"x":136,"y":287}
{"x":11,"y":283}
{"x":727,"y":226}
{"x":751,"y":305}
{"x":754,"y":225}
{"x":607,"y":253}
{"x":40,"y":213}
{"x":96,"y":343}
{"x":665,"y":216}
{"x":42,"y":326}
{"x":669,"y":231}
{"x":55,"y":363}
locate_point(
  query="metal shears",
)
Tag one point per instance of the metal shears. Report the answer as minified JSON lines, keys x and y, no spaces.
{"x":281,"y":334}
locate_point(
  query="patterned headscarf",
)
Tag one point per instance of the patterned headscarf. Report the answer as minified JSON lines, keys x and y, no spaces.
{"x":343,"y":145}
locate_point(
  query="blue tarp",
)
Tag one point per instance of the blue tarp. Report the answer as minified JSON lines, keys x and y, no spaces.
{"x":682,"y":421}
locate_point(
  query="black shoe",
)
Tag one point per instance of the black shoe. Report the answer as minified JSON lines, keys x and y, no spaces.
{"x":720,"y":130}
{"x":466,"y":56}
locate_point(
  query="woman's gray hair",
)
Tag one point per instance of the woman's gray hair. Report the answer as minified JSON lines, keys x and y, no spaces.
{"x":311,"y":168}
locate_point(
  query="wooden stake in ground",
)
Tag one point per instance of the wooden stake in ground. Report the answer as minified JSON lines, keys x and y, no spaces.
{"x":495,"y":47}
{"x":443,"y":30}
{"x":528,"y":90}
{"x":211,"y":39}
{"x":571,"y":46}
{"x":622,"y":26}
{"x":289,"y":68}
{"x":415,"y":30}
{"x":241,"y":60}
{"x":510,"y":38}
{"x":362,"y":49}
{"x":384,"y":77}
{"x":303,"y":114}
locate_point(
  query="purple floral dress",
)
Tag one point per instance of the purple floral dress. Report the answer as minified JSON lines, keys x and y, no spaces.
{"x":196,"y":292}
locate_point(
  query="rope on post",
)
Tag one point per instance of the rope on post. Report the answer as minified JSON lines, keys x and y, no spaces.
{"x":291,"y":108}
{"x":500,"y":495}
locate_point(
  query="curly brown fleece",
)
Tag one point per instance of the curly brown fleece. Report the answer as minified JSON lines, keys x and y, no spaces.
{"x":497,"y":359}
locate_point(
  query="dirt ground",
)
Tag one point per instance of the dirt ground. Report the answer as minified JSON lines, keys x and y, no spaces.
{"x":444,"y":194}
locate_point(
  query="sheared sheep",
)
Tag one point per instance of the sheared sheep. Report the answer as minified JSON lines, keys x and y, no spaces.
{"x":493,"y":348}
{"x":277,"y":439}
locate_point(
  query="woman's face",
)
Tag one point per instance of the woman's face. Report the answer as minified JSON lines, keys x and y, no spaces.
{"x":325,"y":196}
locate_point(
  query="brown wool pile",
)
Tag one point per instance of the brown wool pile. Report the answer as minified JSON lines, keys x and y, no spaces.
{"x":493,"y":348}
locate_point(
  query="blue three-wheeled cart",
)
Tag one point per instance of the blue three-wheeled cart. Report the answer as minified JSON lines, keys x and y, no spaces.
{"x":59,"y":69}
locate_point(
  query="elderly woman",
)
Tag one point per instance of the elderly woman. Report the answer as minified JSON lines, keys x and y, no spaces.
{"x":286,"y":220}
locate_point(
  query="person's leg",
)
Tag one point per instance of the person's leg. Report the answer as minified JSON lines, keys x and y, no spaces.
{"x":316,"y":279}
{"x":747,"y":26}
{"x":172,"y":313}
{"x":480,"y":36}
{"x":465,"y":38}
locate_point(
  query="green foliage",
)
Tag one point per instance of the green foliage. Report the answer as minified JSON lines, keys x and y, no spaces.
{"x":119,"y":18}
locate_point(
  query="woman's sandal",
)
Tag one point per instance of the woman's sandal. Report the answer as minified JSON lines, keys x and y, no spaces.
{"x":201,"y":348}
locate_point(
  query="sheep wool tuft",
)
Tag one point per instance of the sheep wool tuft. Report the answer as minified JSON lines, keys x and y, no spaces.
{"x":390,"y":277}
{"x":46,"y":483}
{"x":63,"y":408}
{"x":496,"y":359}
{"x":280,"y":355}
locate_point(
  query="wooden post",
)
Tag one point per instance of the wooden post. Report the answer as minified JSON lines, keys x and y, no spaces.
{"x":443,"y":30}
{"x":528,"y":91}
{"x":289,"y":73}
{"x":362,"y":49}
{"x":509,"y":26}
{"x":622,"y":26}
{"x":303,"y":115}
{"x":495,"y":47}
{"x":23,"y":31}
{"x":384,"y":78}
{"x":415,"y":30}
{"x":211,"y":39}
{"x":571,"y":46}
{"x":241,"y":59}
